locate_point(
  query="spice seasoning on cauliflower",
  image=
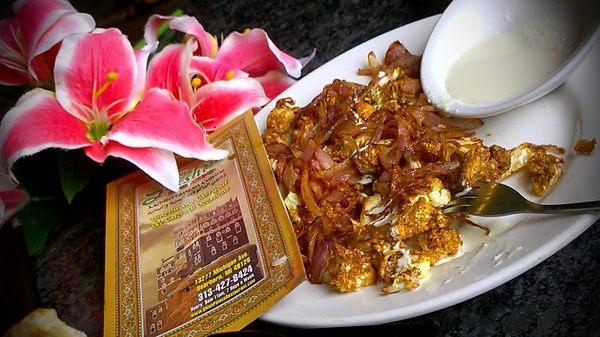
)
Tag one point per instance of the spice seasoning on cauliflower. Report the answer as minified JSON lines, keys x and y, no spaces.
{"x":367,"y":169}
{"x":585,"y":146}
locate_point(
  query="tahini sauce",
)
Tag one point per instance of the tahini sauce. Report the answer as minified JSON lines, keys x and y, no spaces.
{"x":504,"y":65}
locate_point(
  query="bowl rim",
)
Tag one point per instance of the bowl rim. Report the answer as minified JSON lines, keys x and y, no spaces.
{"x":440,"y":98}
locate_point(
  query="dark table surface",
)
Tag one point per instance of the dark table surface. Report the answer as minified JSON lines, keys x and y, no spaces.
{"x":559,"y":297}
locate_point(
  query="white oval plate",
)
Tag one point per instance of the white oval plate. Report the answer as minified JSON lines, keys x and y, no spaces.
{"x":561,"y":118}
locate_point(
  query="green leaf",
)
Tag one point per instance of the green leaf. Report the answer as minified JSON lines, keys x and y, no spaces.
{"x":37,"y":220}
{"x":75,"y":170}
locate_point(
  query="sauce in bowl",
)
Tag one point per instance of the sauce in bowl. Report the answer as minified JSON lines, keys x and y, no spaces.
{"x":487,"y":57}
{"x":504,"y":65}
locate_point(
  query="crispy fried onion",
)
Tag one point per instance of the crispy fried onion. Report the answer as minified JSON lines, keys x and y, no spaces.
{"x":367,"y":163}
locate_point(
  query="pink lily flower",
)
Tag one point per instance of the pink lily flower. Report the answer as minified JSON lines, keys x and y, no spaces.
{"x":254,"y":53}
{"x":97,"y":107}
{"x":212,"y":104}
{"x":218,"y":84}
{"x":29,"y":42}
{"x":207,"y":43}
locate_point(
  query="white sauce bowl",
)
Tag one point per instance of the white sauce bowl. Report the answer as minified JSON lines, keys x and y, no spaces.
{"x":573,"y":23}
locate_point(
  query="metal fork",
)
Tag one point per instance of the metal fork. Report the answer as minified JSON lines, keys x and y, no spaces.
{"x":495,"y":199}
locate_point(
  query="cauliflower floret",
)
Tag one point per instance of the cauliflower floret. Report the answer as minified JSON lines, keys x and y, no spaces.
{"x":280,"y":122}
{"x":543,"y":168}
{"x":519,"y":157}
{"x":585,"y":146}
{"x":414,"y":164}
{"x":424,"y":267}
{"x":466,"y":143}
{"x":423,"y":212}
{"x":372,"y":205}
{"x":367,"y":160}
{"x":438,"y":196}
{"x":408,"y":279}
{"x":484,"y":164}
{"x":406,"y":273}
{"x":273,"y":163}
{"x":364,"y":110}
{"x":291,"y":202}
{"x":436,"y":245}
{"x":416,"y":218}
{"x":404,"y":262}
{"x":350,"y":270}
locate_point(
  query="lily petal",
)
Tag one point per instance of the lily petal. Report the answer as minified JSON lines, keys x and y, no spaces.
{"x":306,"y":59}
{"x":41,"y":67}
{"x":9,"y":76}
{"x":38,"y":122}
{"x":141,"y":57}
{"x":274,"y":83}
{"x":12,"y":201}
{"x":164,"y":123}
{"x":186,"y":24}
{"x":219,"y":102}
{"x":159,"y":164}
{"x":96,"y":152}
{"x":256,"y":54}
{"x":13,"y":65}
{"x":8,"y":37}
{"x":151,"y":28}
{"x":170,"y":70}
{"x":44,"y":23}
{"x":68,"y":24}
{"x":189,"y":25}
{"x":212,"y":70}
{"x":35,"y":17}
{"x":6,"y":182}
{"x":82,"y":70}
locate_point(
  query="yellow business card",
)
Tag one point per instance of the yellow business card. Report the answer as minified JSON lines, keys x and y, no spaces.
{"x":209,"y":258}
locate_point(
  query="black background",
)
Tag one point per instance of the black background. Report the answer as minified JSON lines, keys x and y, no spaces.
{"x":559,"y":297}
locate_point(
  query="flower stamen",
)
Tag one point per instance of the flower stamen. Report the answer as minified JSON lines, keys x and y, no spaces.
{"x":229,"y":75}
{"x":110,"y":77}
{"x":97,"y":129}
{"x":196,"y":82}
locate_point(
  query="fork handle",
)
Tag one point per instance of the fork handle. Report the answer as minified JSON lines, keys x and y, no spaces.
{"x":574,"y":208}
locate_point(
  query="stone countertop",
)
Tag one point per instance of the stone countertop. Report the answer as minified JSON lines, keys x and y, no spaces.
{"x":559,"y":297}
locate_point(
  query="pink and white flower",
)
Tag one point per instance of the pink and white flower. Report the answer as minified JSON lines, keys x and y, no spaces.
{"x":97,"y":107}
{"x":218,"y":84}
{"x":254,"y":53}
{"x":30,"y":41}
{"x":212,"y":104}
{"x":207,"y":43}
